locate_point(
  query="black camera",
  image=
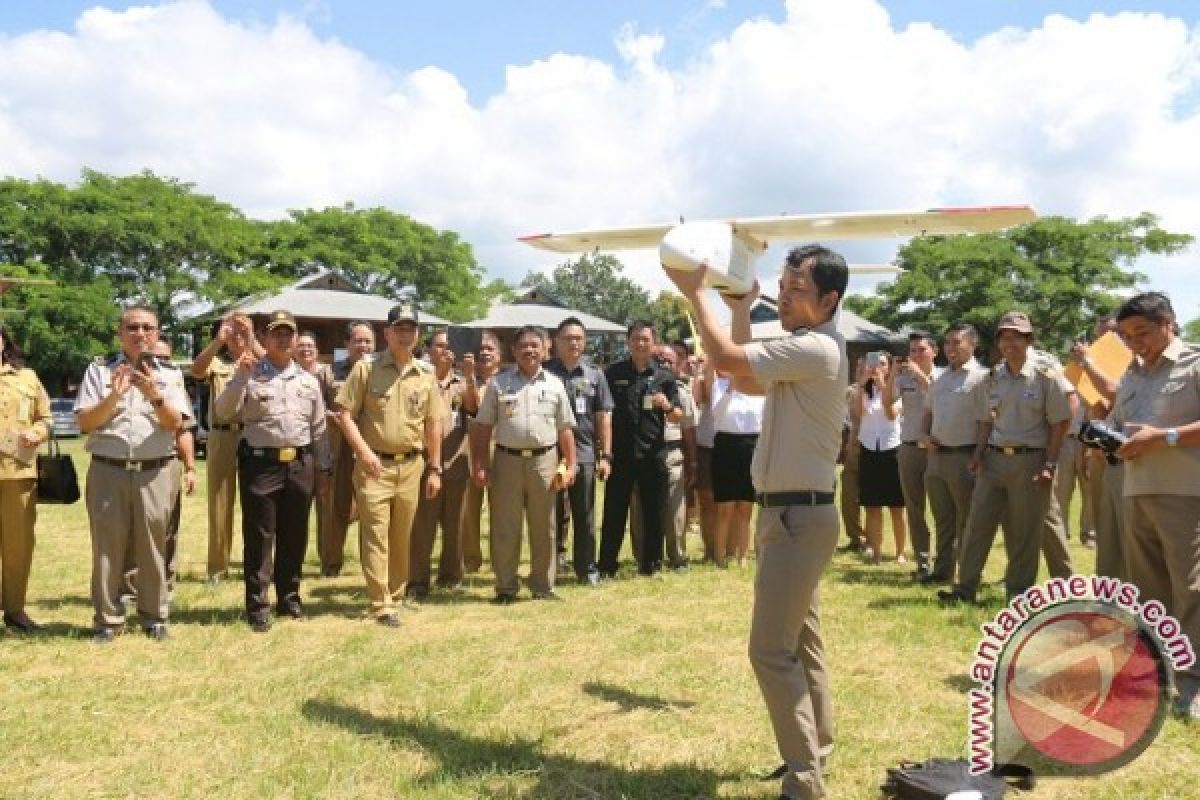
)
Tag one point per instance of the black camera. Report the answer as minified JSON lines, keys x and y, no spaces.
{"x":1101,"y":437}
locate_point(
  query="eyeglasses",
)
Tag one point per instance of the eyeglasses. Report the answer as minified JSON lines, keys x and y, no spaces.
{"x":143,"y":328}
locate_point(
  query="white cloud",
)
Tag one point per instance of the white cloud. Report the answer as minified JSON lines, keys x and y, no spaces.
{"x":832,"y":109}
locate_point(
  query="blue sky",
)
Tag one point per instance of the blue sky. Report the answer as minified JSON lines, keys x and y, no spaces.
{"x":475,"y":39}
{"x":501,"y":119}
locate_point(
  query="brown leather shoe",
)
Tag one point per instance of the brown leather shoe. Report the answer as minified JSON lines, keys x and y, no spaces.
{"x":20,"y":621}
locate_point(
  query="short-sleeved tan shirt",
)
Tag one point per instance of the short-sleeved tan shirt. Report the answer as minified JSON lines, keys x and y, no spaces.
{"x":219,"y":374}
{"x":805,"y":376}
{"x":1022,"y":407}
{"x":390,"y":403}
{"x":23,"y":405}
{"x":526,"y":412}
{"x":278,"y":407}
{"x":454,"y":427}
{"x":952,"y":404}
{"x":1166,"y":395}
{"x":673,"y":431}
{"x":133,"y":431}
{"x":913,"y":398}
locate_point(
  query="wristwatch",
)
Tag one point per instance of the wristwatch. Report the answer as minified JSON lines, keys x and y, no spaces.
{"x":436,"y":469}
{"x":603,"y":456}
{"x":1172,"y":437}
{"x":158,"y":402}
{"x":1050,"y":465}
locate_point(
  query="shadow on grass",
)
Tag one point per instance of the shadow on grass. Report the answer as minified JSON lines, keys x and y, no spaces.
{"x":50,"y":630}
{"x":55,"y":603}
{"x":465,"y":757}
{"x":959,"y":683}
{"x":874,"y":576}
{"x":632,"y":701}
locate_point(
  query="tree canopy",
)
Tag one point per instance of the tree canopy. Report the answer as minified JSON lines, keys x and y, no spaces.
{"x":595,"y":284}
{"x":1063,"y":273}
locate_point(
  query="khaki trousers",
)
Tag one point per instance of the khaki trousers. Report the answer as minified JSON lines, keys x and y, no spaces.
{"x":674,"y":515}
{"x":1070,"y":473}
{"x":386,"y":508}
{"x":445,"y":510}
{"x":339,"y":507}
{"x":949,"y":486}
{"x":1163,"y":550}
{"x":222,"y":468}
{"x":472,"y":526}
{"x":1109,"y":516}
{"x":913,"y":461}
{"x":129,"y":509}
{"x":1054,"y":539}
{"x":794,"y":544}
{"x":521,"y":492}
{"x":850,"y":507}
{"x":18,"y":516}
{"x":1005,"y":491}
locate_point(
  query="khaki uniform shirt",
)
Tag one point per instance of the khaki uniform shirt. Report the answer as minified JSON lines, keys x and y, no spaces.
{"x":278,"y":407}
{"x":219,"y":374}
{"x":526,"y":412}
{"x":674,"y":430}
{"x":1166,"y":395}
{"x":953,"y":403}
{"x":390,"y":403}
{"x":805,"y":376}
{"x":912,"y":403}
{"x":1022,"y":407}
{"x":23,"y":405}
{"x":454,"y":427}
{"x":133,"y":431}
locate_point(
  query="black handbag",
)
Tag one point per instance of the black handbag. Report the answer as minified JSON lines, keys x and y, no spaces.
{"x":57,"y":481}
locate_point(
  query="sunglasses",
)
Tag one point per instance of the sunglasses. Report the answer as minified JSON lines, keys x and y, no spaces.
{"x":144,"y":328}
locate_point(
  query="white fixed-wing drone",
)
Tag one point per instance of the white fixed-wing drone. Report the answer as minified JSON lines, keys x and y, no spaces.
{"x":729,"y":247}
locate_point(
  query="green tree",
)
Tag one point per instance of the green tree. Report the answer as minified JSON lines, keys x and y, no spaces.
{"x":1061,"y":271}
{"x":381,"y":252}
{"x":669,"y":313}
{"x":595,"y":284}
{"x":1191,"y":331}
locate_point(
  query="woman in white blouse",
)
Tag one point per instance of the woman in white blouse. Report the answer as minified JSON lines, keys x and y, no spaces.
{"x":879,"y":472}
{"x":738,"y":421}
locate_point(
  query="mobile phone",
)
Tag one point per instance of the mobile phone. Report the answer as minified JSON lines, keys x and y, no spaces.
{"x":874,"y":359}
{"x":147,"y":361}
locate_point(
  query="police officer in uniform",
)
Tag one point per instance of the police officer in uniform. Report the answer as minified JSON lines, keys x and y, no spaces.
{"x":591,"y":403}
{"x":948,"y":432}
{"x":283,"y":447}
{"x":804,"y":377}
{"x":1158,"y":407}
{"x":340,"y":509}
{"x":131,"y":406}
{"x":25,"y":421}
{"x":391,"y":414}
{"x":909,"y":382}
{"x":528,"y":411}
{"x":446,"y":507}
{"x":477,"y":373}
{"x":234,"y":336}
{"x":1022,"y":413}
{"x":644,"y":395}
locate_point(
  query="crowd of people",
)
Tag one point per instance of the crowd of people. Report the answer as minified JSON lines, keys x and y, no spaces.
{"x":409,"y":446}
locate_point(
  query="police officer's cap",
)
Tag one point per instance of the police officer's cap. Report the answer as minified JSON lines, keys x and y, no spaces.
{"x":281,"y":319}
{"x":405,"y":312}
{"x":1015,"y":321}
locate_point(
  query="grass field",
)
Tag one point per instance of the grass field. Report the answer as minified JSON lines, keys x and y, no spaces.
{"x":639,"y":689}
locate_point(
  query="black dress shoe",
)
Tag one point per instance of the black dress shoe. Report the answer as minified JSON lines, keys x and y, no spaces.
{"x":955,"y":596}
{"x":104,"y":635}
{"x":20,"y":621}
{"x":260,"y":623}
{"x":933,"y":579}
{"x":157,"y":631}
{"x":503,"y":600}
{"x":291,"y":607}
{"x":388,"y":620}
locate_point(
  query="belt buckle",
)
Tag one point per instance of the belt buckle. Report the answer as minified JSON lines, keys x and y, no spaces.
{"x":1009,"y":451}
{"x":527,"y":453}
{"x":133,"y":466}
{"x":287,"y":454}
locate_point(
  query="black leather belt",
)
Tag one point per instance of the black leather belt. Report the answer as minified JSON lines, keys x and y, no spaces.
{"x":233,"y":426}
{"x":398,"y":458}
{"x":777,"y":499}
{"x":955,"y":448}
{"x":1015,"y":450}
{"x":912,"y":444}
{"x":675,"y":445}
{"x":134,"y":465}
{"x":525,"y":452}
{"x":279,"y":455}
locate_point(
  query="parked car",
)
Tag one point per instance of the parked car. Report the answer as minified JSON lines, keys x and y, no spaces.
{"x":62,"y":411}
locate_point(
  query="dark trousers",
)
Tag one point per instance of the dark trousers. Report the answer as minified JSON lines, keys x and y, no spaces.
{"x":650,"y":476}
{"x":581,"y":496}
{"x":275,"y":503}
